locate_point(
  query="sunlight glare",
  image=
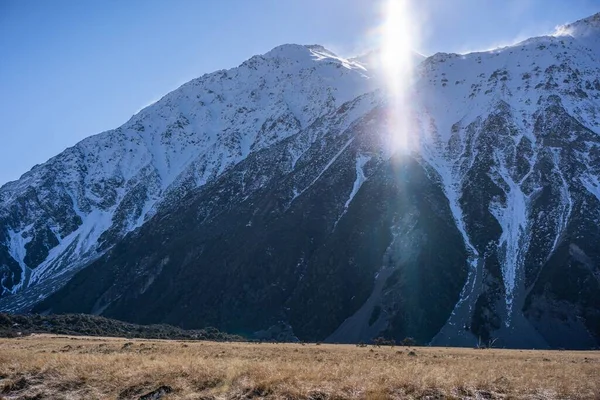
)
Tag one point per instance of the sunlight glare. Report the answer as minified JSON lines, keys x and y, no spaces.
{"x":397,"y":44}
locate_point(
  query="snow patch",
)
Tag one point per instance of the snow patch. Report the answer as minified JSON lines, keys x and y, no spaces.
{"x":17,"y":251}
{"x":513,"y":219}
{"x":298,"y":194}
{"x":361,"y":161}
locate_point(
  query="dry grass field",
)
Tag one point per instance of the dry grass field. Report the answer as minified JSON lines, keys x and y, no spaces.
{"x":55,"y":367}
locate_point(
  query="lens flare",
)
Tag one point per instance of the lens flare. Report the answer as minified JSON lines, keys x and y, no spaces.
{"x":396,"y":40}
{"x":397,"y":45}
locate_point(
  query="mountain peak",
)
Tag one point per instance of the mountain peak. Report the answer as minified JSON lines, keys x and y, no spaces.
{"x":298,"y":52}
{"x":309,"y":53}
{"x":581,"y":28}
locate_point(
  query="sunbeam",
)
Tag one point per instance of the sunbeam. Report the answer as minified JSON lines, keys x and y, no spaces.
{"x":398,"y":39}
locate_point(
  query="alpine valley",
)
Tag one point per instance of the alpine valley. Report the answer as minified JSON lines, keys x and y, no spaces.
{"x":273,"y":199}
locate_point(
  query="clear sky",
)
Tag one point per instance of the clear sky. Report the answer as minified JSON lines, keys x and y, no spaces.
{"x":73,"y":68}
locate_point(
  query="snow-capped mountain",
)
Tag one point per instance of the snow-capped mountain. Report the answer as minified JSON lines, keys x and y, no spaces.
{"x":274,"y":192}
{"x":514,"y":143}
{"x":66,"y":212}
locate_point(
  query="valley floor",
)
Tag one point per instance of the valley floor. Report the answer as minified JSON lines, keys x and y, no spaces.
{"x":60,"y":367}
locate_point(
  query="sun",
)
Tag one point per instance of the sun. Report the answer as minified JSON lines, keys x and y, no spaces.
{"x":397,"y":36}
{"x":397,"y":44}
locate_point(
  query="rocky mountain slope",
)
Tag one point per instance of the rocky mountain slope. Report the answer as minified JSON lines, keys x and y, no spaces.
{"x":273,"y":194}
{"x":64,"y":213}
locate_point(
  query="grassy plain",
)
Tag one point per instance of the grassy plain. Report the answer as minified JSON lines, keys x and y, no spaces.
{"x":61,"y":367}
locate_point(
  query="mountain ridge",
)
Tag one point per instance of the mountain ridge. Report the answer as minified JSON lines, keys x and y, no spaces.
{"x":480,"y":226}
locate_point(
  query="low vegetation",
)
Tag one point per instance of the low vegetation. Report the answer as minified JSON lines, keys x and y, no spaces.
{"x":63,"y":367}
{"x":90,"y":325}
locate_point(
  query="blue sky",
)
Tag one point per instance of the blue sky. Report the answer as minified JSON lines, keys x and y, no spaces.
{"x":73,"y":68}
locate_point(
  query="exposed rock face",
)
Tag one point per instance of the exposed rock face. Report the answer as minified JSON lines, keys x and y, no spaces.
{"x":272,"y":193}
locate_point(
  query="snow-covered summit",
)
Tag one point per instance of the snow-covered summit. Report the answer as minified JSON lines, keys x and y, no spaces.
{"x":584,"y":27}
{"x":585,"y":31}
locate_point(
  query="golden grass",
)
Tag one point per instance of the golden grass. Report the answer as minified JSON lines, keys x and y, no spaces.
{"x":44,"y":366}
